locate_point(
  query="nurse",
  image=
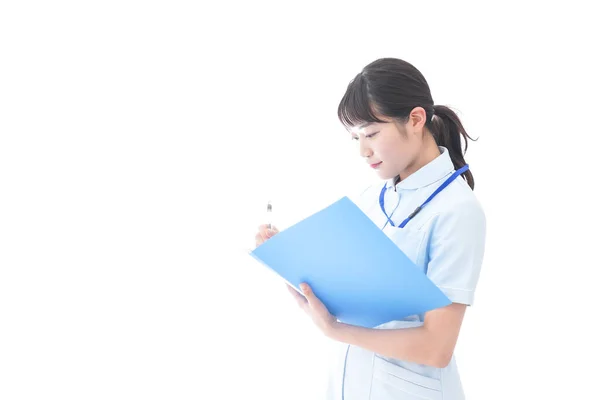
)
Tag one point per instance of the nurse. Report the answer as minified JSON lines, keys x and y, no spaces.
{"x":426,"y":205}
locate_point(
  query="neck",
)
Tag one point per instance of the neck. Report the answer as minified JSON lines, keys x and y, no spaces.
{"x":429,"y":153}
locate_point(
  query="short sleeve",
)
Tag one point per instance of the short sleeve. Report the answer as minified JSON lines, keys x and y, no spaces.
{"x":456,"y":249}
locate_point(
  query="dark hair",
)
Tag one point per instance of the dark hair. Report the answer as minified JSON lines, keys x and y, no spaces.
{"x":393,"y":88}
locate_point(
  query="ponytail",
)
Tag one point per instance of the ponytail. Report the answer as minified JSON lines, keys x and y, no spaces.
{"x":446,"y":128}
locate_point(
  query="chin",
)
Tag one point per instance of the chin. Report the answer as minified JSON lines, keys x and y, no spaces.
{"x":385,"y":175}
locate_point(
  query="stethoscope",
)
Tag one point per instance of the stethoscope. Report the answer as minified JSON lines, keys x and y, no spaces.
{"x":418,"y":209}
{"x":402,"y":225}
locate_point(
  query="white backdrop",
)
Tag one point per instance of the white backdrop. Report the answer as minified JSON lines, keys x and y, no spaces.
{"x":140,"y":142}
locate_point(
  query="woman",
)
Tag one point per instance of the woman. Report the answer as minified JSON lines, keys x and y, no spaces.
{"x":426,"y":205}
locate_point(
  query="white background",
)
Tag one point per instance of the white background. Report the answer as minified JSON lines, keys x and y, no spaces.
{"x":140,"y":142}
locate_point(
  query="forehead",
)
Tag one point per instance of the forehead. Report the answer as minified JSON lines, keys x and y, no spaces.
{"x":362,"y":128}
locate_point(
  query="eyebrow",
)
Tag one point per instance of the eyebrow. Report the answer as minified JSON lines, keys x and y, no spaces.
{"x":365,"y":125}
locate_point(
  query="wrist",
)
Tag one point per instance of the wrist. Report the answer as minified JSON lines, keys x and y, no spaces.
{"x":335,"y":331}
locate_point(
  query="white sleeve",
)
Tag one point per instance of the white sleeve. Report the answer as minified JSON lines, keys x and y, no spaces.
{"x":456,"y":250}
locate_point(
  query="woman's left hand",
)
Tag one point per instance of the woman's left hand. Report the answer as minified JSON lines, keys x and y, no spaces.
{"x":315,"y":309}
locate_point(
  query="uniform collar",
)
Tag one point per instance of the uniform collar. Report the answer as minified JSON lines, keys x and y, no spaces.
{"x":432,"y":172}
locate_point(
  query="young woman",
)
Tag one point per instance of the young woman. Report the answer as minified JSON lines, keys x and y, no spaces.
{"x":426,"y":205}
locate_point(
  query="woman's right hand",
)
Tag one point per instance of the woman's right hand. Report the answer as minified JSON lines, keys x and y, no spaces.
{"x":264,"y":233}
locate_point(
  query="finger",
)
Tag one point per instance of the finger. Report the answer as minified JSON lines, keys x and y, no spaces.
{"x":296,"y":295}
{"x":258,"y":239}
{"x":261,"y":237}
{"x":301,"y":300}
{"x":311,"y":299}
{"x":267,"y":232}
{"x":314,"y":305}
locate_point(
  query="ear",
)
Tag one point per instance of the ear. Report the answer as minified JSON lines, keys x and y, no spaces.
{"x":417,"y":119}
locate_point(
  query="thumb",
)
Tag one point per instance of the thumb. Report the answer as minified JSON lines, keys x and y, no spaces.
{"x":308,"y":293}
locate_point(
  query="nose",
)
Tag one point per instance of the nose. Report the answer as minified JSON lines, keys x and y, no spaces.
{"x":364,"y":149}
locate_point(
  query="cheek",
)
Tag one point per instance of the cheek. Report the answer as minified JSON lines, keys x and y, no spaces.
{"x":403,"y":150}
{"x":396,"y":150}
{"x":389,"y":147}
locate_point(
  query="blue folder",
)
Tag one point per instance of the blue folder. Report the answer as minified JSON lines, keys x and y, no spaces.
{"x":359,"y":274}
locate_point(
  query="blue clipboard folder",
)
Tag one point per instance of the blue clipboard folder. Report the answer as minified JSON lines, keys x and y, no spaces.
{"x":360,"y":275}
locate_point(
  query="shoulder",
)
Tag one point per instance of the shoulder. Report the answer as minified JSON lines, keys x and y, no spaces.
{"x":459,"y":212}
{"x":460,"y":200}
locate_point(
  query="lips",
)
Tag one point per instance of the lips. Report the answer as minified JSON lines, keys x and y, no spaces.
{"x":376,"y":165}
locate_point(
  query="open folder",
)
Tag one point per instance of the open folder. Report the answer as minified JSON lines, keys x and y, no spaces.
{"x":359,"y":274}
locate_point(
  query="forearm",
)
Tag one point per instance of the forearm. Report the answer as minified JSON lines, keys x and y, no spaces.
{"x":418,"y":345}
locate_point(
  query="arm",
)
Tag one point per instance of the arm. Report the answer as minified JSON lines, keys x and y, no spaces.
{"x":430,"y":344}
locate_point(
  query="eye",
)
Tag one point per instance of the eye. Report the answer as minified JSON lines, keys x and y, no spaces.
{"x":354,"y":137}
{"x":370,"y":135}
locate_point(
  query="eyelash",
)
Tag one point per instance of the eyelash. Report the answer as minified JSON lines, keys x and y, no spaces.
{"x":367,"y":136}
